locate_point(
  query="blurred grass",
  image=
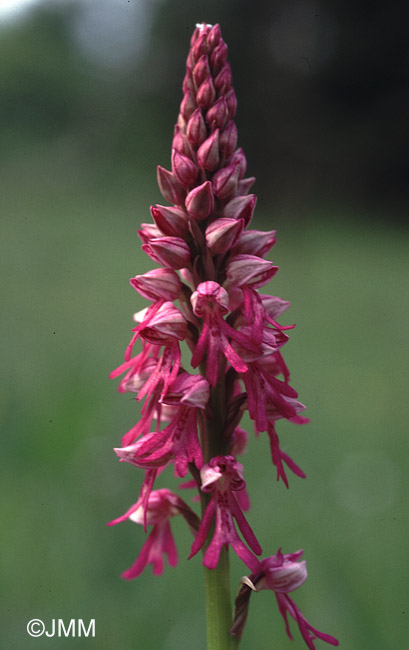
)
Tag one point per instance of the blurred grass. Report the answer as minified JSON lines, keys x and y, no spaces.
{"x":69,"y":247}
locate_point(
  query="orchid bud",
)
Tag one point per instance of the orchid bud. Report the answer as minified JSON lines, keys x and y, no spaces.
{"x":218,"y":57}
{"x":171,"y":252}
{"x":189,"y":62}
{"x":248,"y":270}
{"x":196,"y":130}
{"x":256,"y":242}
{"x":208,"y":152}
{"x":149,"y":231}
{"x":188,"y":84}
{"x":171,"y":221}
{"x":218,"y":114}
{"x":201,"y":70}
{"x":206,"y":94}
{"x":231,"y":101}
{"x":214,"y":36}
{"x":196,"y":33}
{"x":241,"y":207}
{"x":170,"y":189}
{"x":183,"y":169}
{"x":187,"y":105}
{"x":228,"y":139}
{"x":223,"y":81}
{"x":199,"y":48}
{"x":245,"y":184}
{"x":222,"y":234}
{"x":225,"y":181}
{"x":239,"y":158}
{"x":180,"y":142}
{"x":158,"y":284}
{"x":200,"y":202}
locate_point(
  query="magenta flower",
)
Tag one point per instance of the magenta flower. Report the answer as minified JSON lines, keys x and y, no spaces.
{"x":150,"y":369}
{"x":222,"y":476}
{"x":210,"y":302}
{"x":162,"y":505}
{"x":205,"y":311}
{"x":282,"y":574}
{"x":178,"y":441}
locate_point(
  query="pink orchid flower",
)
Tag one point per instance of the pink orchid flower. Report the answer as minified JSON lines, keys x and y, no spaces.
{"x":281,"y":573}
{"x":222,"y":476}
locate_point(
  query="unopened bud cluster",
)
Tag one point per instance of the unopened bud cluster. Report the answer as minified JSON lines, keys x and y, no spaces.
{"x":205,"y":293}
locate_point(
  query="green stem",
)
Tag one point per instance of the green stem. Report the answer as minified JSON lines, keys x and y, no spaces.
{"x":218,"y":604}
{"x":217,"y":581}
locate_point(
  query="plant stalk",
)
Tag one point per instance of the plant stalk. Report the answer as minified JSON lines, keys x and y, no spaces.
{"x":218,"y":604}
{"x":217,"y":581}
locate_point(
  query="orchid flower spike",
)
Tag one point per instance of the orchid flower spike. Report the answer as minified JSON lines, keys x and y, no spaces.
{"x":205,"y":312}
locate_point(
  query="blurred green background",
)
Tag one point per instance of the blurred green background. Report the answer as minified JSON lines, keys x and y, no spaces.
{"x":89,"y":95}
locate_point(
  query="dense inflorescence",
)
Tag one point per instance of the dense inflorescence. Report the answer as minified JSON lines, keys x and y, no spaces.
{"x":205,"y":293}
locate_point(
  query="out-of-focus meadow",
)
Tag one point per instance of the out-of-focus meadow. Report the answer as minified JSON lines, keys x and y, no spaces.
{"x":89,"y":99}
